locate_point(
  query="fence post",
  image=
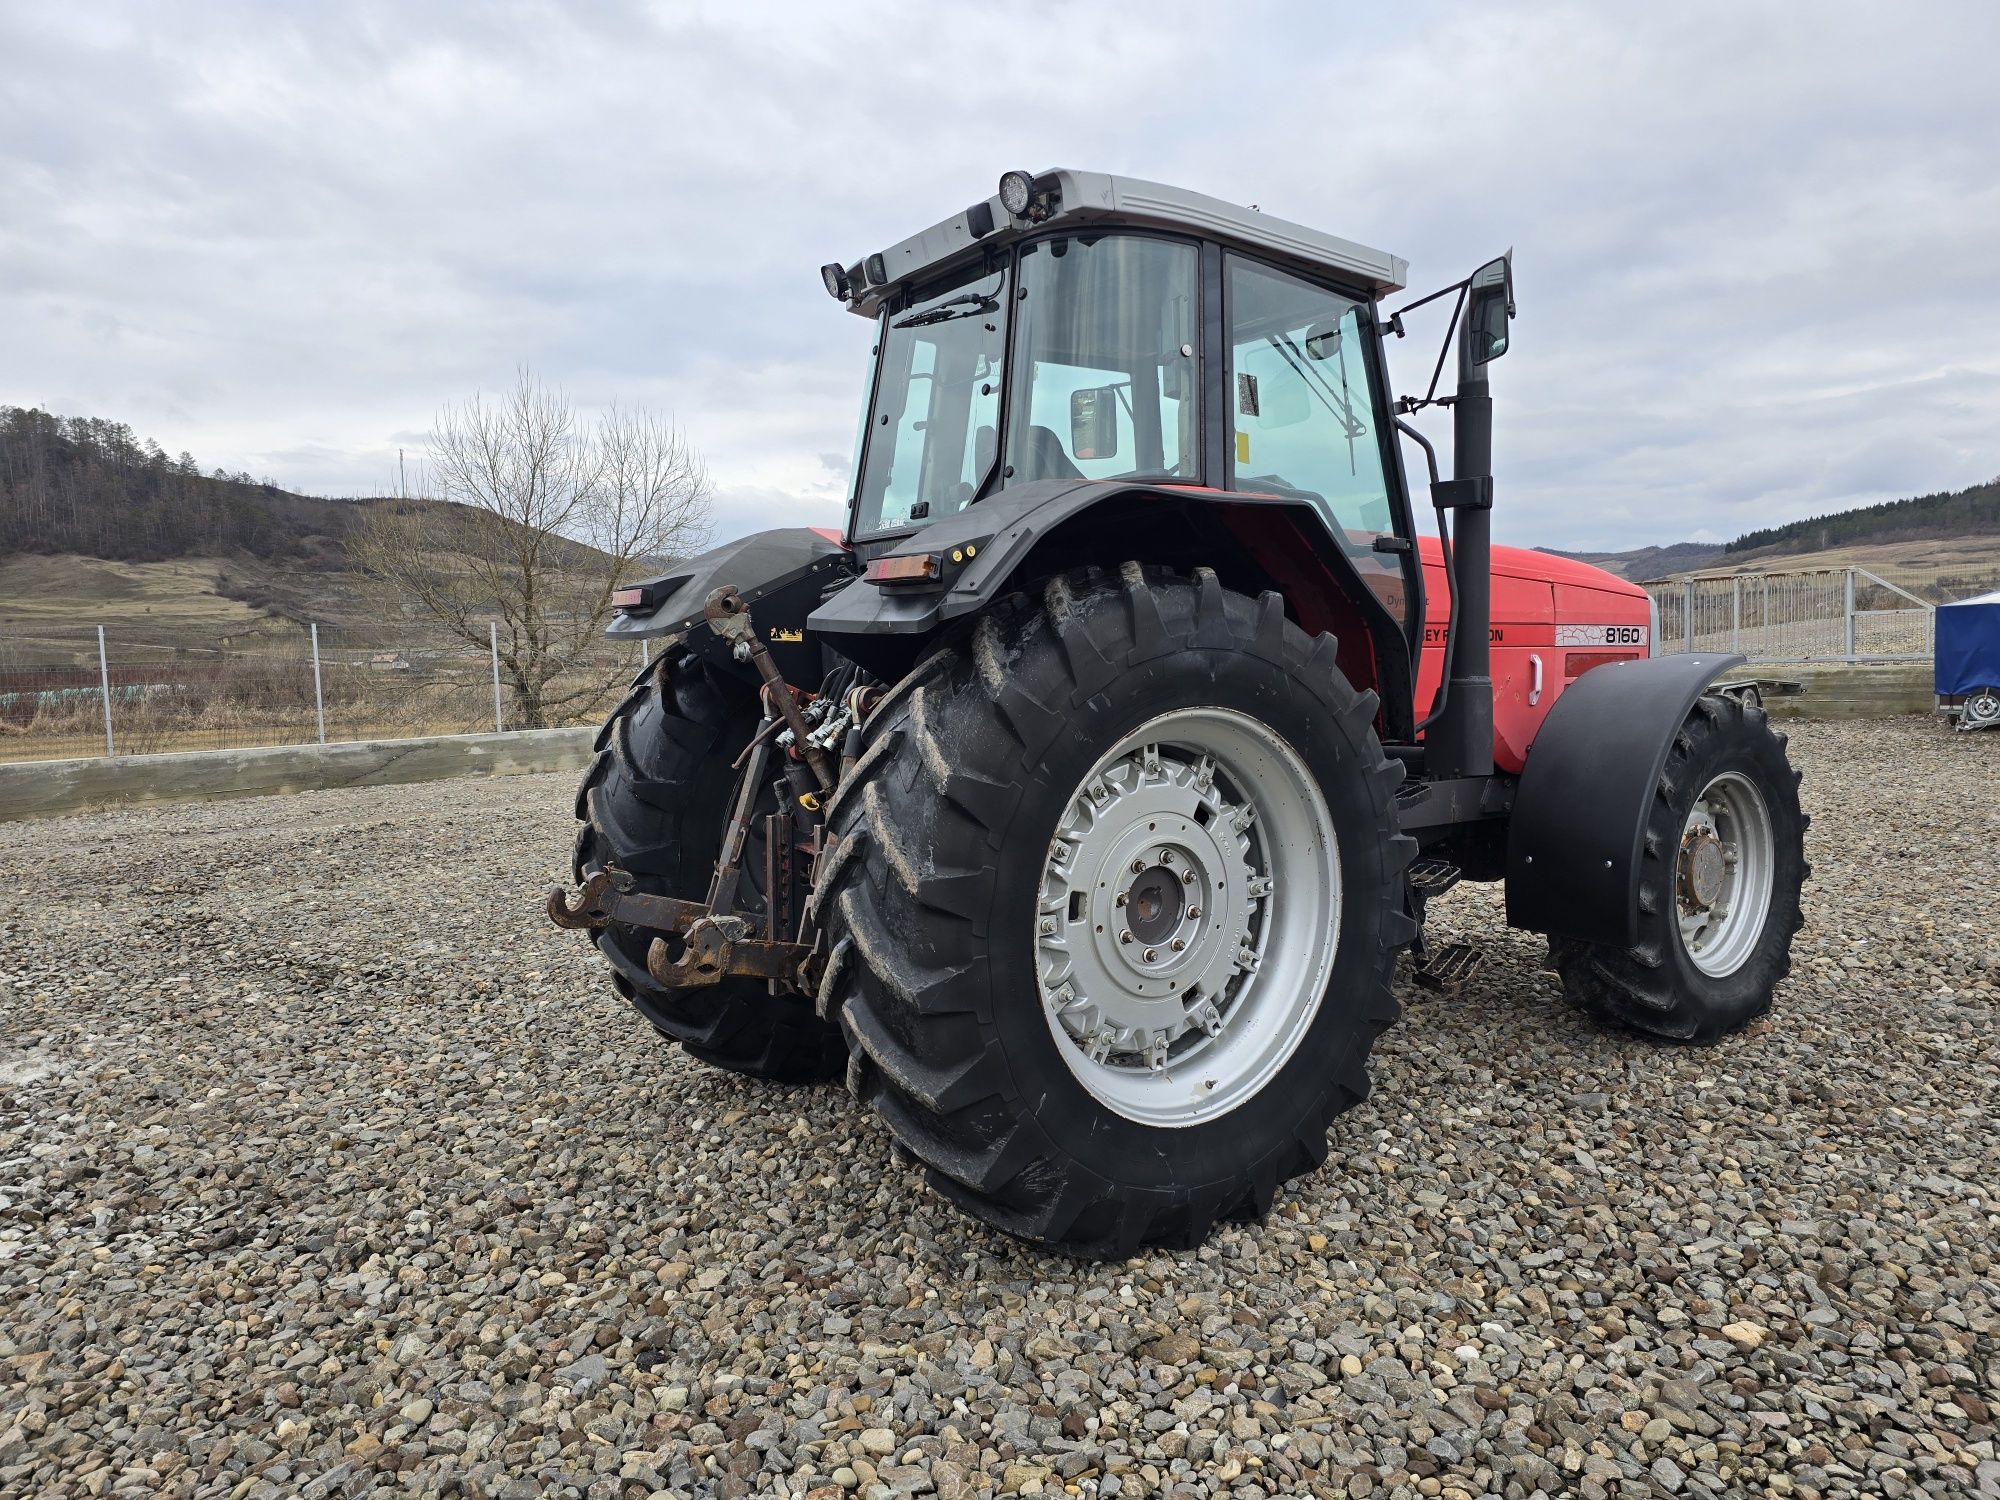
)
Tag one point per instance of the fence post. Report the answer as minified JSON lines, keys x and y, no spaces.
{"x":645,"y":653}
{"x":493,"y":635}
{"x":1687,"y":616}
{"x":104,"y":678}
{"x":1848,"y":612}
{"x":319,"y":696}
{"x":1736,"y":617}
{"x":1764,"y":613}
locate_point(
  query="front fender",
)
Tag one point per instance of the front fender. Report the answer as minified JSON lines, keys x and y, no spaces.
{"x":1573,"y":840}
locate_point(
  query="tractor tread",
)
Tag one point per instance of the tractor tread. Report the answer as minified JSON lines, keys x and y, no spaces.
{"x":904,"y":905}
{"x":1649,"y":987}
{"x":652,"y":803}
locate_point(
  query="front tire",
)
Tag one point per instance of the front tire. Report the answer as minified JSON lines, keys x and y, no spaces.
{"x":1720,"y":875}
{"x":1064,"y":1101}
{"x":653,"y":802}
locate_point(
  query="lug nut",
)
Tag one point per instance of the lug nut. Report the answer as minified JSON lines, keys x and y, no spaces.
{"x":1179,"y":944}
{"x":1194,"y":911}
{"x":1121,"y":898}
{"x":1151,"y":954}
{"x":1124,"y":937}
{"x":1138,"y":867}
{"x":1166,"y":856}
{"x":1187,"y":877}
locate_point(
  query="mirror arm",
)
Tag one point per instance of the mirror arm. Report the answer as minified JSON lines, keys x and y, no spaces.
{"x":1450,"y":577}
{"x":1430,"y":396}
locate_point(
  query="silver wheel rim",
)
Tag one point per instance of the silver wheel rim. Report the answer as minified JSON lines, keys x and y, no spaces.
{"x":1189,"y":916}
{"x":1723,"y":875}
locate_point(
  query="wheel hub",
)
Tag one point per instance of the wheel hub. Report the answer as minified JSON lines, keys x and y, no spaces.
{"x":1157,"y":908}
{"x":1153,"y":906}
{"x":1723,"y":874}
{"x":1152,"y":877}
{"x":1704,"y":868}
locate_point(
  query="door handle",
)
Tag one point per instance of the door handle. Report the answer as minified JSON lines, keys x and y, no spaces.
{"x":1534,"y":680}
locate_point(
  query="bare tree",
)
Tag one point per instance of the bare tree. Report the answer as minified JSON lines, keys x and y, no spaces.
{"x":527,"y":514}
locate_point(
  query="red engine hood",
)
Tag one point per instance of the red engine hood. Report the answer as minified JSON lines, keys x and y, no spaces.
{"x":1543,"y":567}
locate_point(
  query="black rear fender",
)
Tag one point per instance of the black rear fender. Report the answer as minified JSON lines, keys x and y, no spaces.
{"x":782,"y":575}
{"x":1024,"y":534}
{"x":1573,"y":841}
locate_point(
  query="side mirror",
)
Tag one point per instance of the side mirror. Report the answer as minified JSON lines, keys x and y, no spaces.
{"x":1323,"y":341}
{"x":1489,"y":328}
{"x":1093,"y":422}
{"x":1492,"y":304}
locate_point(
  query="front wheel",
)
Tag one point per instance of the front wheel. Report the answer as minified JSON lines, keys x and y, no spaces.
{"x":1113,"y":904}
{"x":1722,"y":866}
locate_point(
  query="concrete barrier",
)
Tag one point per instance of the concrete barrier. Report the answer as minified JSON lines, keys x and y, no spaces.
{"x":47,"y":788}
{"x":1838,"y":690}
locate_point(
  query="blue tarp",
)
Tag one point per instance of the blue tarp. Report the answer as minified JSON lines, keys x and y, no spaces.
{"x":1968,"y":645}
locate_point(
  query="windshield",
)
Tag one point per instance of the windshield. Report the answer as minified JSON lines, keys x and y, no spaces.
{"x":933,"y":433}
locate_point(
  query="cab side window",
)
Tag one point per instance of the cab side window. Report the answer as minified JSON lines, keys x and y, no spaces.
{"x":1304,"y":417}
{"x":1105,"y":382}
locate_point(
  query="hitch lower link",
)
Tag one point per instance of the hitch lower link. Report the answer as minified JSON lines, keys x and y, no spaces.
{"x":695,"y":947}
{"x":696,"y":942}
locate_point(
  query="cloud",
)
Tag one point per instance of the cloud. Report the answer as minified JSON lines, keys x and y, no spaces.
{"x":1753,"y":250}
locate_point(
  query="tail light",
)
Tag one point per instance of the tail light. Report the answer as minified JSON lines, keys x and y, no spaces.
{"x":638,"y":597}
{"x":911,"y":567}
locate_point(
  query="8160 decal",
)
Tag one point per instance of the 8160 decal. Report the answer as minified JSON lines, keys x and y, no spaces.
{"x":1602,"y":635}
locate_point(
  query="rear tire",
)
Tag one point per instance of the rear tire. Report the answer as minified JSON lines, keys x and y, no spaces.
{"x":653,"y":802}
{"x":1719,"y":880}
{"x":945,"y":940}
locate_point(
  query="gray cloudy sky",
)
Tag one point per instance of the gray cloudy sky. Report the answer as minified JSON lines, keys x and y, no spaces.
{"x":1756,"y":246}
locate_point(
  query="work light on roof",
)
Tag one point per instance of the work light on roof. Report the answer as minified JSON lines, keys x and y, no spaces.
{"x":835,"y":277}
{"x":1016,"y":189}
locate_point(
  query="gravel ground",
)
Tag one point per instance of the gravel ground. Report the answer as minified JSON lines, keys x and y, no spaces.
{"x":327,"y":1166}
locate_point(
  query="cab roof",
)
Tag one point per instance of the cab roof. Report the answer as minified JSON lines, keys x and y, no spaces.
{"x":1083,"y":198}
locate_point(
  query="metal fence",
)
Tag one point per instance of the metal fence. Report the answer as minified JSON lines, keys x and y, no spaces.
{"x":104,"y":692}
{"x":1827,"y":614}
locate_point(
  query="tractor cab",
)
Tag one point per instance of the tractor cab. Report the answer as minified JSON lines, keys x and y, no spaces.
{"x":1081,"y":327}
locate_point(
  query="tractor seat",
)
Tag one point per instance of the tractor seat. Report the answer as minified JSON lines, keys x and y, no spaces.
{"x":1046,"y":458}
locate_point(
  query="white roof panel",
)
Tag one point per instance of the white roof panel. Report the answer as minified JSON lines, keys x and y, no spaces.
{"x":1088,"y":196}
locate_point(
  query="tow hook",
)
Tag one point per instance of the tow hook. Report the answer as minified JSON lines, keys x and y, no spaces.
{"x":717,"y":948}
{"x":692,"y":946}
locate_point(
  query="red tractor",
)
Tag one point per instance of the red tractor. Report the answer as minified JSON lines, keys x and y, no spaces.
{"x":1077,"y":802}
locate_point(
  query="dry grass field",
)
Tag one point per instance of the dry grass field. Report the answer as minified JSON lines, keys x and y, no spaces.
{"x":1936,"y":569}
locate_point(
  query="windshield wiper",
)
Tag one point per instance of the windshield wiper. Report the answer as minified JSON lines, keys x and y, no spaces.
{"x":980,"y":303}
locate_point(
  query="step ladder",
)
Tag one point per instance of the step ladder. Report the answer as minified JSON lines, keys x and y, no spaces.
{"x":1449,"y":966}
{"x":1433,"y":877}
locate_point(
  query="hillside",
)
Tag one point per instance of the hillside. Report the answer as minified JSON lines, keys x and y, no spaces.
{"x":1953,"y":513}
{"x":88,"y":486}
{"x":100,"y":527}
{"x":1648,"y":562}
{"x":1943,"y":546}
